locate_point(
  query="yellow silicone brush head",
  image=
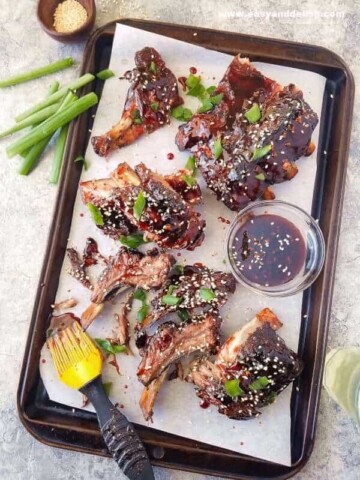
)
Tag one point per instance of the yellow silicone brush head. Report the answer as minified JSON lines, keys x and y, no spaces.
{"x":77,"y":360}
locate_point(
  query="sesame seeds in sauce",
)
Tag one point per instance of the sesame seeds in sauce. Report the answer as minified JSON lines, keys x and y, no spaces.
{"x":268,"y":250}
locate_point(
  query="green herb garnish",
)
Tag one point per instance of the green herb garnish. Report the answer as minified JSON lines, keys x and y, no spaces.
{"x":189,"y":180}
{"x":260,"y":176}
{"x":139,"y":205}
{"x":178,"y":269}
{"x":218,"y":149}
{"x":192,"y":81}
{"x":96,"y":214}
{"x":271,"y":398}
{"x":139,"y":294}
{"x":261,"y":152}
{"x":253,"y":114}
{"x":181,"y":113}
{"x":132,"y":241}
{"x":152,"y":67}
{"x":205,"y":106}
{"x":191,"y":164}
{"x":105,"y":74}
{"x":259,"y":383}
{"x":211,"y":89}
{"x":207,"y":294}
{"x":233,"y":389}
{"x":142,"y":313}
{"x":136,"y":117}
{"x":81,"y":159}
{"x":154,"y":106}
{"x":216,"y":99}
{"x":183,"y":315}
{"x":107,"y":387}
{"x":110,"y":347}
{"x":171,"y":300}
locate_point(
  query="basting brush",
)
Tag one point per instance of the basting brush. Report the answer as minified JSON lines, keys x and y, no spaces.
{"x":78,"y":363}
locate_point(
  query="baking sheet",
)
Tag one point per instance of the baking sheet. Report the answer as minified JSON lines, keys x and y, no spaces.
{"x":177,"y":409}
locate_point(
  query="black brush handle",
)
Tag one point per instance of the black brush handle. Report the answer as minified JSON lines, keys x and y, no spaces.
{"x":119,"y":434}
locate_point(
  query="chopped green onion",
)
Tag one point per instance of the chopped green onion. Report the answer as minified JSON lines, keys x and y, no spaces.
{"x":259,"y":383}
{"x":142,"y":313}
{"x":34,"y":153}
{"x":183,"y":315}
{"x":139,"y":205}
{"x":96,"y":214}
{"x":154,"y":106}
{"x":271,"y":398}
{"x":136,"y":117}
{"x":191,"y":164}
{"x":181,"y":113}
{"x":205,"y":106}
{"x":207,"y":294}
{"x":198,"y":91}
{"x":171,"y":289}
{"x":253,"y":114}
{"x":37,"y":72}
{"x":261,"y":152}
{"x":211,"y":89}
{"x":49,"y":126}
{"x":260,"y":176}
{"x":107,"y":387}
{"x":32,"y":156}
{"x":54,"y":87}
{"x":178,"y":269}
{"x":189,"y":180}
{"x":140,"y":295}
{"x":110,"y":347}
{"x":152,"y":67}
{"x":192,"y":81}
{"x":55,"y":97}
{"x":105,"y":74}
{"x":34,"y":119}
{"x":132,"y":241}
{"x":81,"y":159}
{"x":218,"y":149}
{"x":233,"y":389}
{"x":216,"y":99}
{"x":171,"y":300}
{"x":60,"y":144}
{"x":59,"y":154}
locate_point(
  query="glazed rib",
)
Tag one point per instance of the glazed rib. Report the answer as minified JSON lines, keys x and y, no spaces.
{"x":191,"y":287}
{"x":168,"y":217}
{"x":245,"y":168}
{"x":152,"y":94}
{"x":172,"y":342}
{"x":257,"y":359}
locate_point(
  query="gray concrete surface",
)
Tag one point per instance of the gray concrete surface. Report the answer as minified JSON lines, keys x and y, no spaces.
{"x":27,"y":207}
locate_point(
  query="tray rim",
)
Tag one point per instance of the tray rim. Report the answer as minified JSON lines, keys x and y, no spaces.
{"x":329,"y":267}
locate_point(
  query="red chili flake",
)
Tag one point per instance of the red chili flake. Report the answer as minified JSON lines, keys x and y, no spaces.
{"x":43,"y":360}
{"x":170,"y":156}
{"x":193,"y":70}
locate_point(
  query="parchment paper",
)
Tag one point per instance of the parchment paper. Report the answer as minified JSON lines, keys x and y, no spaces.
{"x":177,"y":409}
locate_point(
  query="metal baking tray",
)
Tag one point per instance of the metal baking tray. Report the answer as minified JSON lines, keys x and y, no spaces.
{"x":61,"y":426}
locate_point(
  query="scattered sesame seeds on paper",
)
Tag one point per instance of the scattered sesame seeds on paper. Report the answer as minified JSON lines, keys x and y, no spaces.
{"x":177,"y":408}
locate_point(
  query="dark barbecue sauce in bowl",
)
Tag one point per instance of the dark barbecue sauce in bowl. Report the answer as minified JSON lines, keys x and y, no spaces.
{"x":268,"y":250}
{"x":275,"y":248}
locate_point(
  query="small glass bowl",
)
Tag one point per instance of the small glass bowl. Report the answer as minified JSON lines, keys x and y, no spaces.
{"x":311,"y":233}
